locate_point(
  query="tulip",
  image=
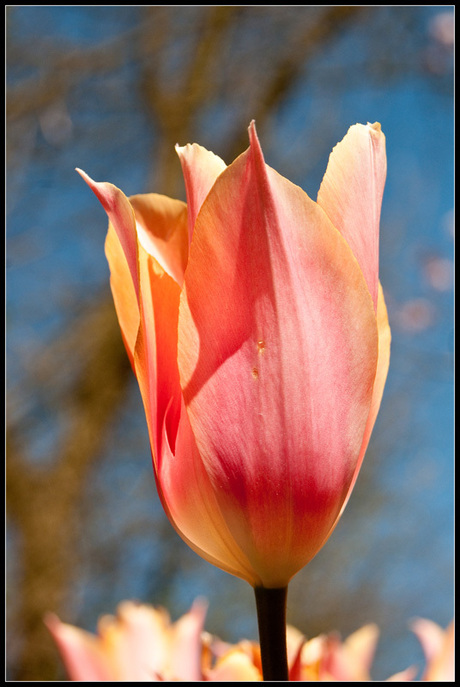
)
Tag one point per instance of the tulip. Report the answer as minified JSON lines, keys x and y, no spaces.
{"x":256,"y":326}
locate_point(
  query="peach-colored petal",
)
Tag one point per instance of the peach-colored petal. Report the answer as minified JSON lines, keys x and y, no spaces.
{"x":360,"y":650}
{"x":123,"y":292}
{"x":200,"y":168}
{"x":156,"y":351}
{"x":311,"y":657}
{"x":235,"y":666}
{"x":351,"y":194}
{"x":136,"y":641}
{"x":277,"y":335}
{"x":161,"y":224}
{"x":155,"y":222}
{"x":121,"y":216}
{"x":186,"y":650}
{"x":159,"y":228}
{"x":83,"y":657}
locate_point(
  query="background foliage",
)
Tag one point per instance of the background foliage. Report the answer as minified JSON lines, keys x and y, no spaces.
{"x":111,"y":89}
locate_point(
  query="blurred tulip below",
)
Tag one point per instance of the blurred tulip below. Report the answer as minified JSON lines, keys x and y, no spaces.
{"x":141,"y":644}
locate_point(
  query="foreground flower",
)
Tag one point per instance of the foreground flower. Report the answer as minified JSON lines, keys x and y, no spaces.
{"x":256,"y":327}
{"x":141,"y":644}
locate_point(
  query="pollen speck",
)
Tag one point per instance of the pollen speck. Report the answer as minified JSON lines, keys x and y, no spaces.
{"x":261,"y":346}
{"x":255,"y":372}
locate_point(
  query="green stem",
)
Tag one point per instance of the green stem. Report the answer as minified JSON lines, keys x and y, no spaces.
{"x":271,"y":617}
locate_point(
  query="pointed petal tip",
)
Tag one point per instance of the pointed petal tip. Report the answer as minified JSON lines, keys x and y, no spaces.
{"x":104,"y":191}
{"x":254,"y":142}
{"x":51,"y":620}
{"x":82,"y":173}
{"x":86,"y":178}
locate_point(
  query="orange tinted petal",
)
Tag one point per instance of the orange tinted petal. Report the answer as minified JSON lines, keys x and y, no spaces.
{"x":155,"y":353}
{"x":121,"y":253}
{"x":147,"y":241}
{"x":351,"y":195}
{"x":123,"y":292}
{"x":162,"y":254}
{"x":200,"y":168}
{"x":235,"y":666}
{"x":162,"y":231}
{"x":121,"y":216}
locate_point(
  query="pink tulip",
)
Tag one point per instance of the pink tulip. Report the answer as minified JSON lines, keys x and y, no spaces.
{"x":256,"y":326}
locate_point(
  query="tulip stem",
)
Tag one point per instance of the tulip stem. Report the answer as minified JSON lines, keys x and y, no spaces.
{"x":271,"y":617}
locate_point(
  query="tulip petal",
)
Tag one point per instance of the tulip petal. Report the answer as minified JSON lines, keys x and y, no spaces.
{"x":186,"y":649}
{"x":123,"y":292}
{"x":135,"y":642}
{"x":200,"y":168}
{"x":351,"y":195}
{"x":147,"y":304}
{"x":155,"y":354}
{"x":82,"y":654}
{"x":121,"y":253}
{"x":360,"y":650}
{"x":277,"y":357}
{"x":234,"y":666}
{"x":121,"y":216}
{"x":189,"y":500}
{"x":162,"y":252}
{"x":161,"y":224}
